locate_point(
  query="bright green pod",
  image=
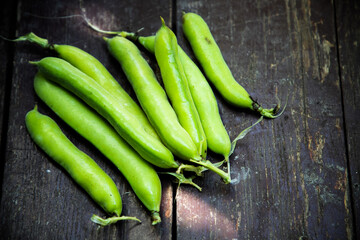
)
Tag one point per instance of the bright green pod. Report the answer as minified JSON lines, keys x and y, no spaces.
{"x":176,"y":86}
{"x":49,"y":137}
{"x":148,"y":43}
{"x":96,"y":70}
{"x":141,"y":176}
{"x":152,"y":98}
{"x":217,"y":71}
{"x":217,"y":137}
{"x":124,"y":122}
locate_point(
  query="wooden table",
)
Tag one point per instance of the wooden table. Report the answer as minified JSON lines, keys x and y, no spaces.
{"x":297,"y":176}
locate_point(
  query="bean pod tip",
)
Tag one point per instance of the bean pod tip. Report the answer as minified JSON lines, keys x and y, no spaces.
{"x":162,"y":21}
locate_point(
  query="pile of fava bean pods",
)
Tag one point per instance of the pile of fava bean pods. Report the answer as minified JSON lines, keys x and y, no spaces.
{"x":137,"y":139}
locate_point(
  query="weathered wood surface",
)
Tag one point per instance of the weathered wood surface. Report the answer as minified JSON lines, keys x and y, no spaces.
{"x":295,"y":177}
{"x":348,"y":31}
{"x":292,"y":171}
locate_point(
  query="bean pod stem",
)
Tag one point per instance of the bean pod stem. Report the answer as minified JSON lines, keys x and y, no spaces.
{"x":111,"y":220}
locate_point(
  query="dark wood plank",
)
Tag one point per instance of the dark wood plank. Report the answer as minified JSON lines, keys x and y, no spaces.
{"x":292,"y":171}
{"x":7,"y":29}
{"x":39,"y":200}
{"x":348,"y":31}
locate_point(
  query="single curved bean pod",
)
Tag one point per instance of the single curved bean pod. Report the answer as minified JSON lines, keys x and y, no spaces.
{"x":124,"y":122}
{"x":93,"y":67}
{"x":49,"y":137}
{"x":141,"y":176}
{"x":217,"y":71}
{"x":176,"y":86}
{"x":152,"y":98}
{"x":217,"y":137}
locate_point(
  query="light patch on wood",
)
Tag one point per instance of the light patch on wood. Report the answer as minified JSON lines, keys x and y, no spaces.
{"x":338,"y":125}
{"x":316,"y":145}
{"x":238,"y":221}
{"x":195,"y":214}
{"x":325,"y":47}
{"x":241,"y":176}
{"x":166,"y":206}
{"x":340,"y":183}
{"x":321,"y":49}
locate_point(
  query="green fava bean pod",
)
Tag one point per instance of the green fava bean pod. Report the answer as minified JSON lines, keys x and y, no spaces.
{"x":49,"y":137}
{"x":217,"y":137}
{"x":152,"y":98}
{"x":217,"y":71}
{"x":176,"y":86}
{"x":124,"y":122}
{"x":141,"y":176}
{"x":177,"y":89}
{"x":93,"y":67}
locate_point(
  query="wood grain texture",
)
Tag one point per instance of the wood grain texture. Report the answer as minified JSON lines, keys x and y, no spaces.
{"x":40,"y":201}
{"x":7,"y":29}
{"x":291,"y":172}
{"x":348,"y":31}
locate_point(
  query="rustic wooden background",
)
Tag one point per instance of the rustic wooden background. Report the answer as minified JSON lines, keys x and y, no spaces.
{"x":297,"y":176}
